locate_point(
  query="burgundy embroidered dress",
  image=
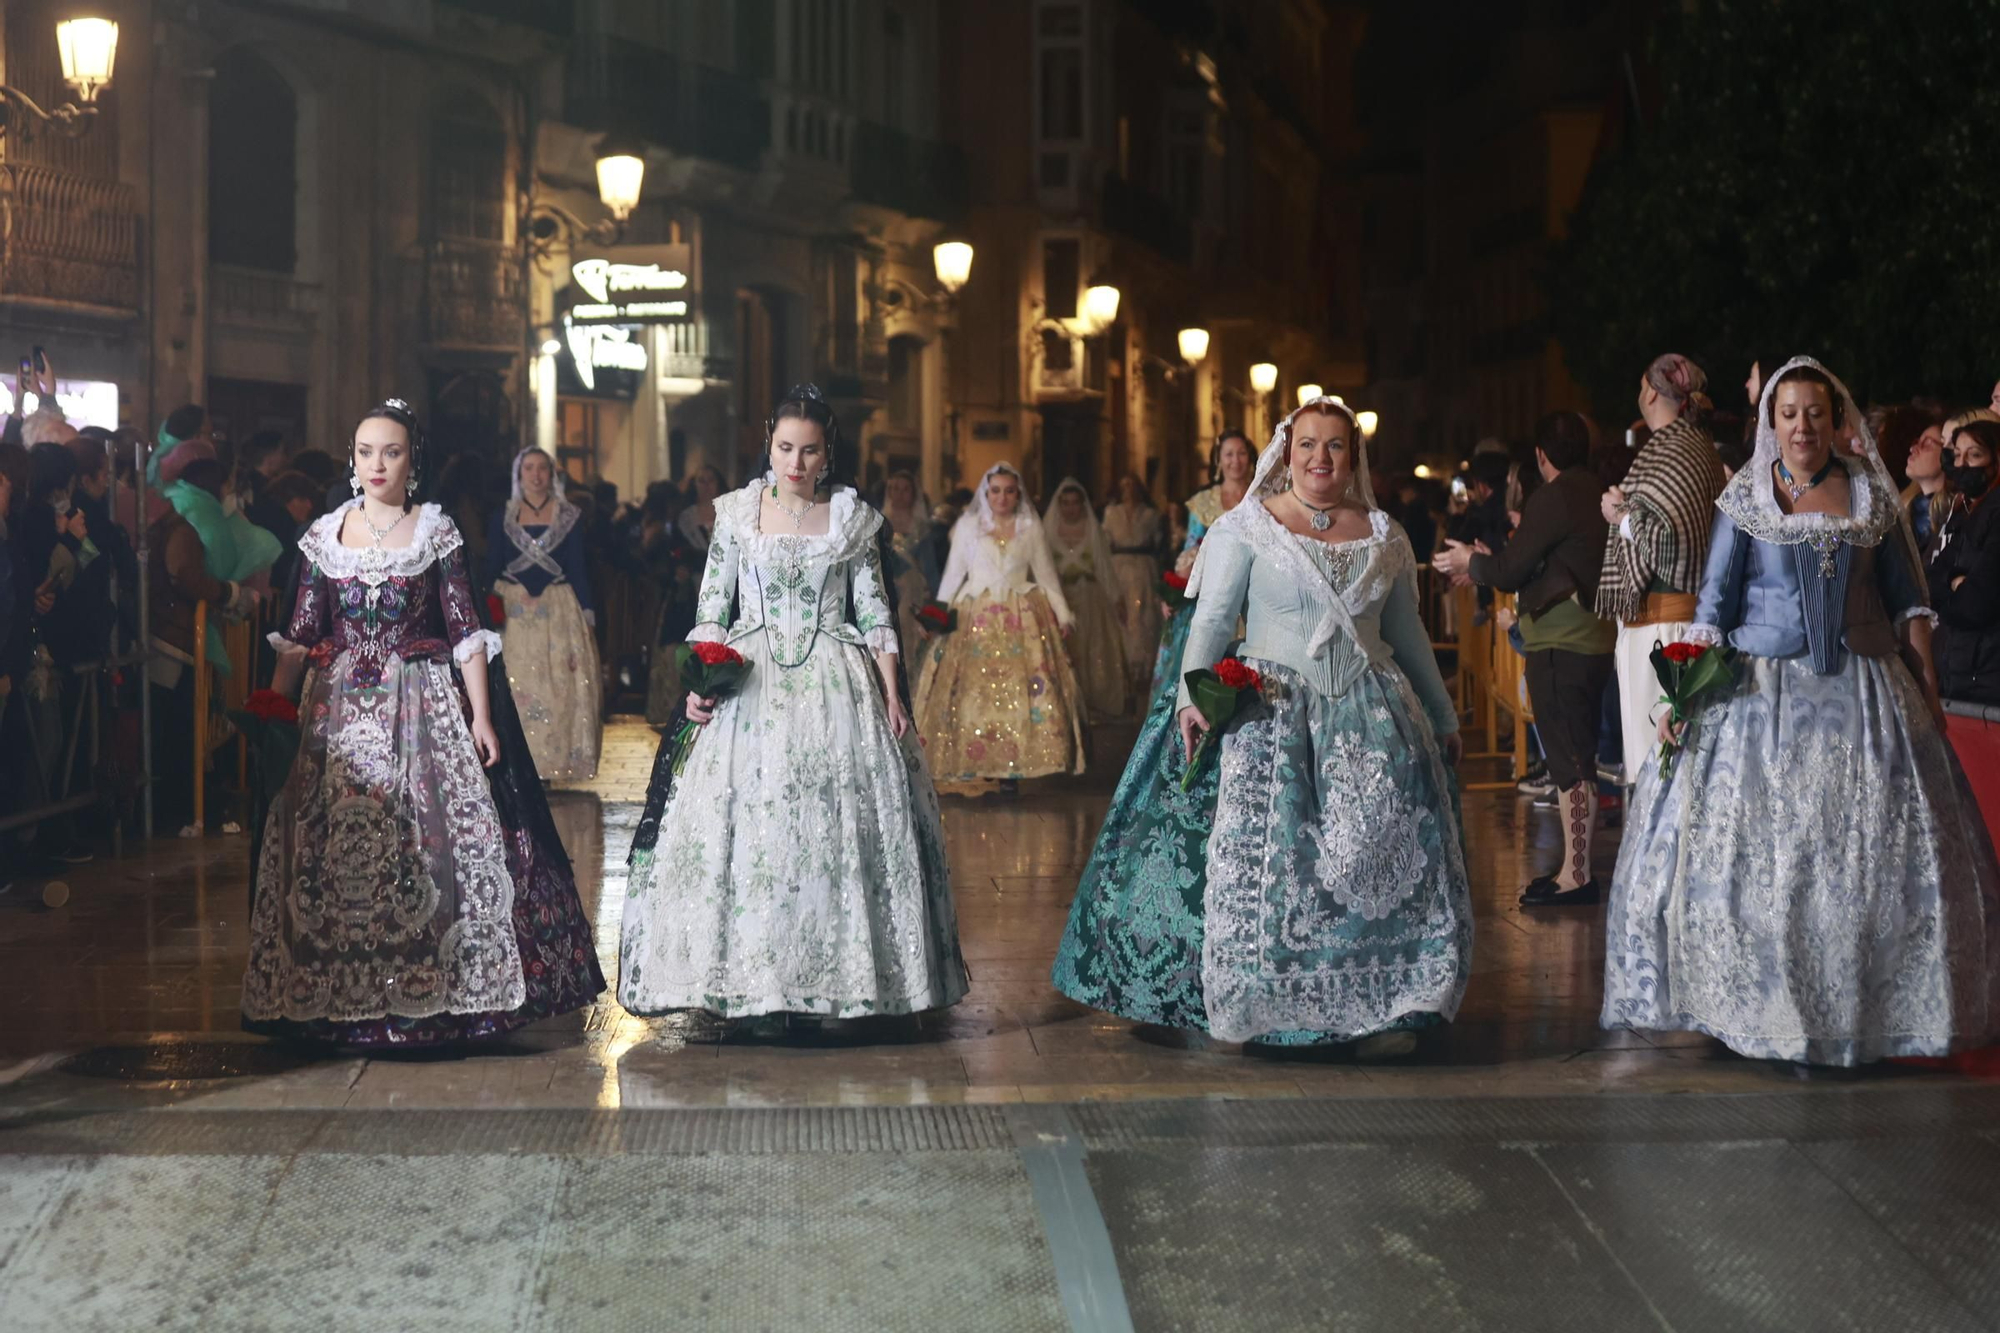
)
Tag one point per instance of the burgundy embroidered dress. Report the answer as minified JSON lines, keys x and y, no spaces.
{"x":407,"y":895}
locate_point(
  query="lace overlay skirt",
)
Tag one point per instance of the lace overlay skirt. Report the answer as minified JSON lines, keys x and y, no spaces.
{"x":396,"y":904}
{"x":1097,"y":648}
{"x":998,"y":698}
{"x":1814,"y":883}
{"x":551,"y":661}
{"x":800,"y":863}
{"x":1337,"y":899}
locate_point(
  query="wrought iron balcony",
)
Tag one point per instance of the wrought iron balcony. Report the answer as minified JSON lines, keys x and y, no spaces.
{"x":68,"y":239}
{"x":472,"y":296}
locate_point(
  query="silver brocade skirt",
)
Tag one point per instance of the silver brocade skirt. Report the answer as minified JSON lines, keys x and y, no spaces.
{"x":1814,"y":882}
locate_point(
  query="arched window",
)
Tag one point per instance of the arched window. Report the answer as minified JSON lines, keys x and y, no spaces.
{"x":253,"y":159}
{"x":468,"y":170}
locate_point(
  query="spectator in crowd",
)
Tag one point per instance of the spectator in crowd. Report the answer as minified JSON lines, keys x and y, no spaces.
{"x":179,"y":578}
{"x":1553,"y":560}
{"x":322,"y":468}
{"x":1949,"y":525}
{"x":183,"y":438}
{"x":1485,"y":521}
{"x":1661,"y":519}
{"x":286,"y":509}
{"x":697,"y":521}
{"x":258,"y":463}
{"x":1929,"y":498}
{"x":95,"y":450}
{"x":16,"y":605}
{"x":463,"y":487}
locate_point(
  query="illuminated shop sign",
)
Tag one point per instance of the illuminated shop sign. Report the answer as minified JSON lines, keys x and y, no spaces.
{"x":595,"y":347}
{"x":634,"y":284}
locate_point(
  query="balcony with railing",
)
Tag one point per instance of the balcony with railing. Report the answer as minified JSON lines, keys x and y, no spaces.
{"x":255,"y":297}
{"x":68,"y":239}
{"x":473,"y":299}
{"x":692,"y":109}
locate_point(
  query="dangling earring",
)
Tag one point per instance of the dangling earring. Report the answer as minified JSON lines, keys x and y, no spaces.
{"x":353,"y":481}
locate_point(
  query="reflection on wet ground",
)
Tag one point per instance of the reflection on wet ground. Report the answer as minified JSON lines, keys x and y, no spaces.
{"x":127,"y":997}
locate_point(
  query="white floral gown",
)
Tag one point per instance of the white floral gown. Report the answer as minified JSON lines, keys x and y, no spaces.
{"x":799,"y":865}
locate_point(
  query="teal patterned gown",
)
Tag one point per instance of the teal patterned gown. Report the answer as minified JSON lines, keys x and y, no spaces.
{"x":1331,"y":900}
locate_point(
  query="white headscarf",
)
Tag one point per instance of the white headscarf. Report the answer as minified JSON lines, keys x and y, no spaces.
{"x":1094,"y":541}
{"x":1752,"y":504}
{"x":556,"y":484}
{"x":1254,"y":523}
{"x":980,"y":512}
{"x":920,"y":507}
{"x":1273,"y":477}
{"x":537,"y":551}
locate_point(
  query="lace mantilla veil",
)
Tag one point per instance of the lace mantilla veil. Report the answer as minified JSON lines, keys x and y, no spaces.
{"x":1752,"y":503}
{"x":980,"y":511}
{"x":1094,"y":540}
{"x":1271,"y":477}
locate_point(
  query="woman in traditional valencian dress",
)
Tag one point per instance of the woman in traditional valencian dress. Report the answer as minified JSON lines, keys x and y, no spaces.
{"x":911,"y":569}
{"x":1083,"y":562}
{"x":1813,"y":881}
{"x":1234,"y":461}
{"x":1137,"y":533}
{"x":1330,"y":902}
{"x":797,"y":864}
{"x":412,"y":886}
{"x":538,"y":570}
{"x":998,"y":701}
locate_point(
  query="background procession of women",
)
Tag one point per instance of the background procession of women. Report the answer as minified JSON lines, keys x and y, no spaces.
{"x":1804,"y":872}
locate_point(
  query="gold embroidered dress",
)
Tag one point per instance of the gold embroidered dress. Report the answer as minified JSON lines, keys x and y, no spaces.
{"x":998,"y":699}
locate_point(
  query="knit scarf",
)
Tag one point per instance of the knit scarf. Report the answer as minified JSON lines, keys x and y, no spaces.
{"x":1670,"y":499}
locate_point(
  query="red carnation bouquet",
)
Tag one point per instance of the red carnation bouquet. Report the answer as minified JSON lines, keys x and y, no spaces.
{"x":1219,"y":693}
{"x":937,"y":617}
{"x":496,"y":610}
{"x":1173,"y":591}
{"x":708,"y":671}
{"x":271,"y":706}
{"x":1690,"y":673}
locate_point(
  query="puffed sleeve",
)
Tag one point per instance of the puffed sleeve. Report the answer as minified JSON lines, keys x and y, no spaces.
{"x":871,"y":602}
{"x":1410,"y":643}
{"x":1720,"y":605}
{"x":717,"y":598}
{"x":1046,"y":578}
{"x":956,"y":563}
{"x":1225,"y":585}
{"x":468,"y":638}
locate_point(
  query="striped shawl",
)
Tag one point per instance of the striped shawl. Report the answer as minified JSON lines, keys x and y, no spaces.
{"x":1670,"y":499}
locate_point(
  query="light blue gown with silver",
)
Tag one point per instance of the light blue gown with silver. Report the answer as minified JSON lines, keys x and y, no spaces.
{"x":1814,"y":882}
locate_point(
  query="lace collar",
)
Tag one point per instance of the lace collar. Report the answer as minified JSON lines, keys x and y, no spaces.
{"x":436,"y":537}
{"x":850,"y":524}
{"x":1751,"y":501}
{"x":1384,"y":552}
{"x":532,"y":552}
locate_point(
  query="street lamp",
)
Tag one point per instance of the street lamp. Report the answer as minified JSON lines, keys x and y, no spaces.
{"x":621,"y":174}
{"x":88,"y":48}
{"x":1194,"y":345}
{"x":1308,"y":392}
{"x":1367,"y":421}
{"x":1263,"y":377}
{"x":953,"y":261}
{"x":1100,"y":306}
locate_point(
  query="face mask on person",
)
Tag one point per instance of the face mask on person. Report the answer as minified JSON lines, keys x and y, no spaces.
{"x":1971,"y":482}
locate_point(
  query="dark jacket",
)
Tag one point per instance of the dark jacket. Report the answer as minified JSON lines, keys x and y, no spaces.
{"x":1558,"y":549}
{"x":178,"y":578}
{"x":1968,"y":659}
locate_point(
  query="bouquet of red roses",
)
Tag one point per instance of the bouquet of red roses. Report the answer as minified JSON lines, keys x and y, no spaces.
{"x":1218,"y":693}
{"x":708,"y":671}
{"x":1173,"y":591}
{"x":496,"y":610}
{"x":937,"y":617}
{"x":1689,"y":673}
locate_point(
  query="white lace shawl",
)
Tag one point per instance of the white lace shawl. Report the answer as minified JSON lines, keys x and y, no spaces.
{"x":435,"y":538}
{"x":849,"y":538}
